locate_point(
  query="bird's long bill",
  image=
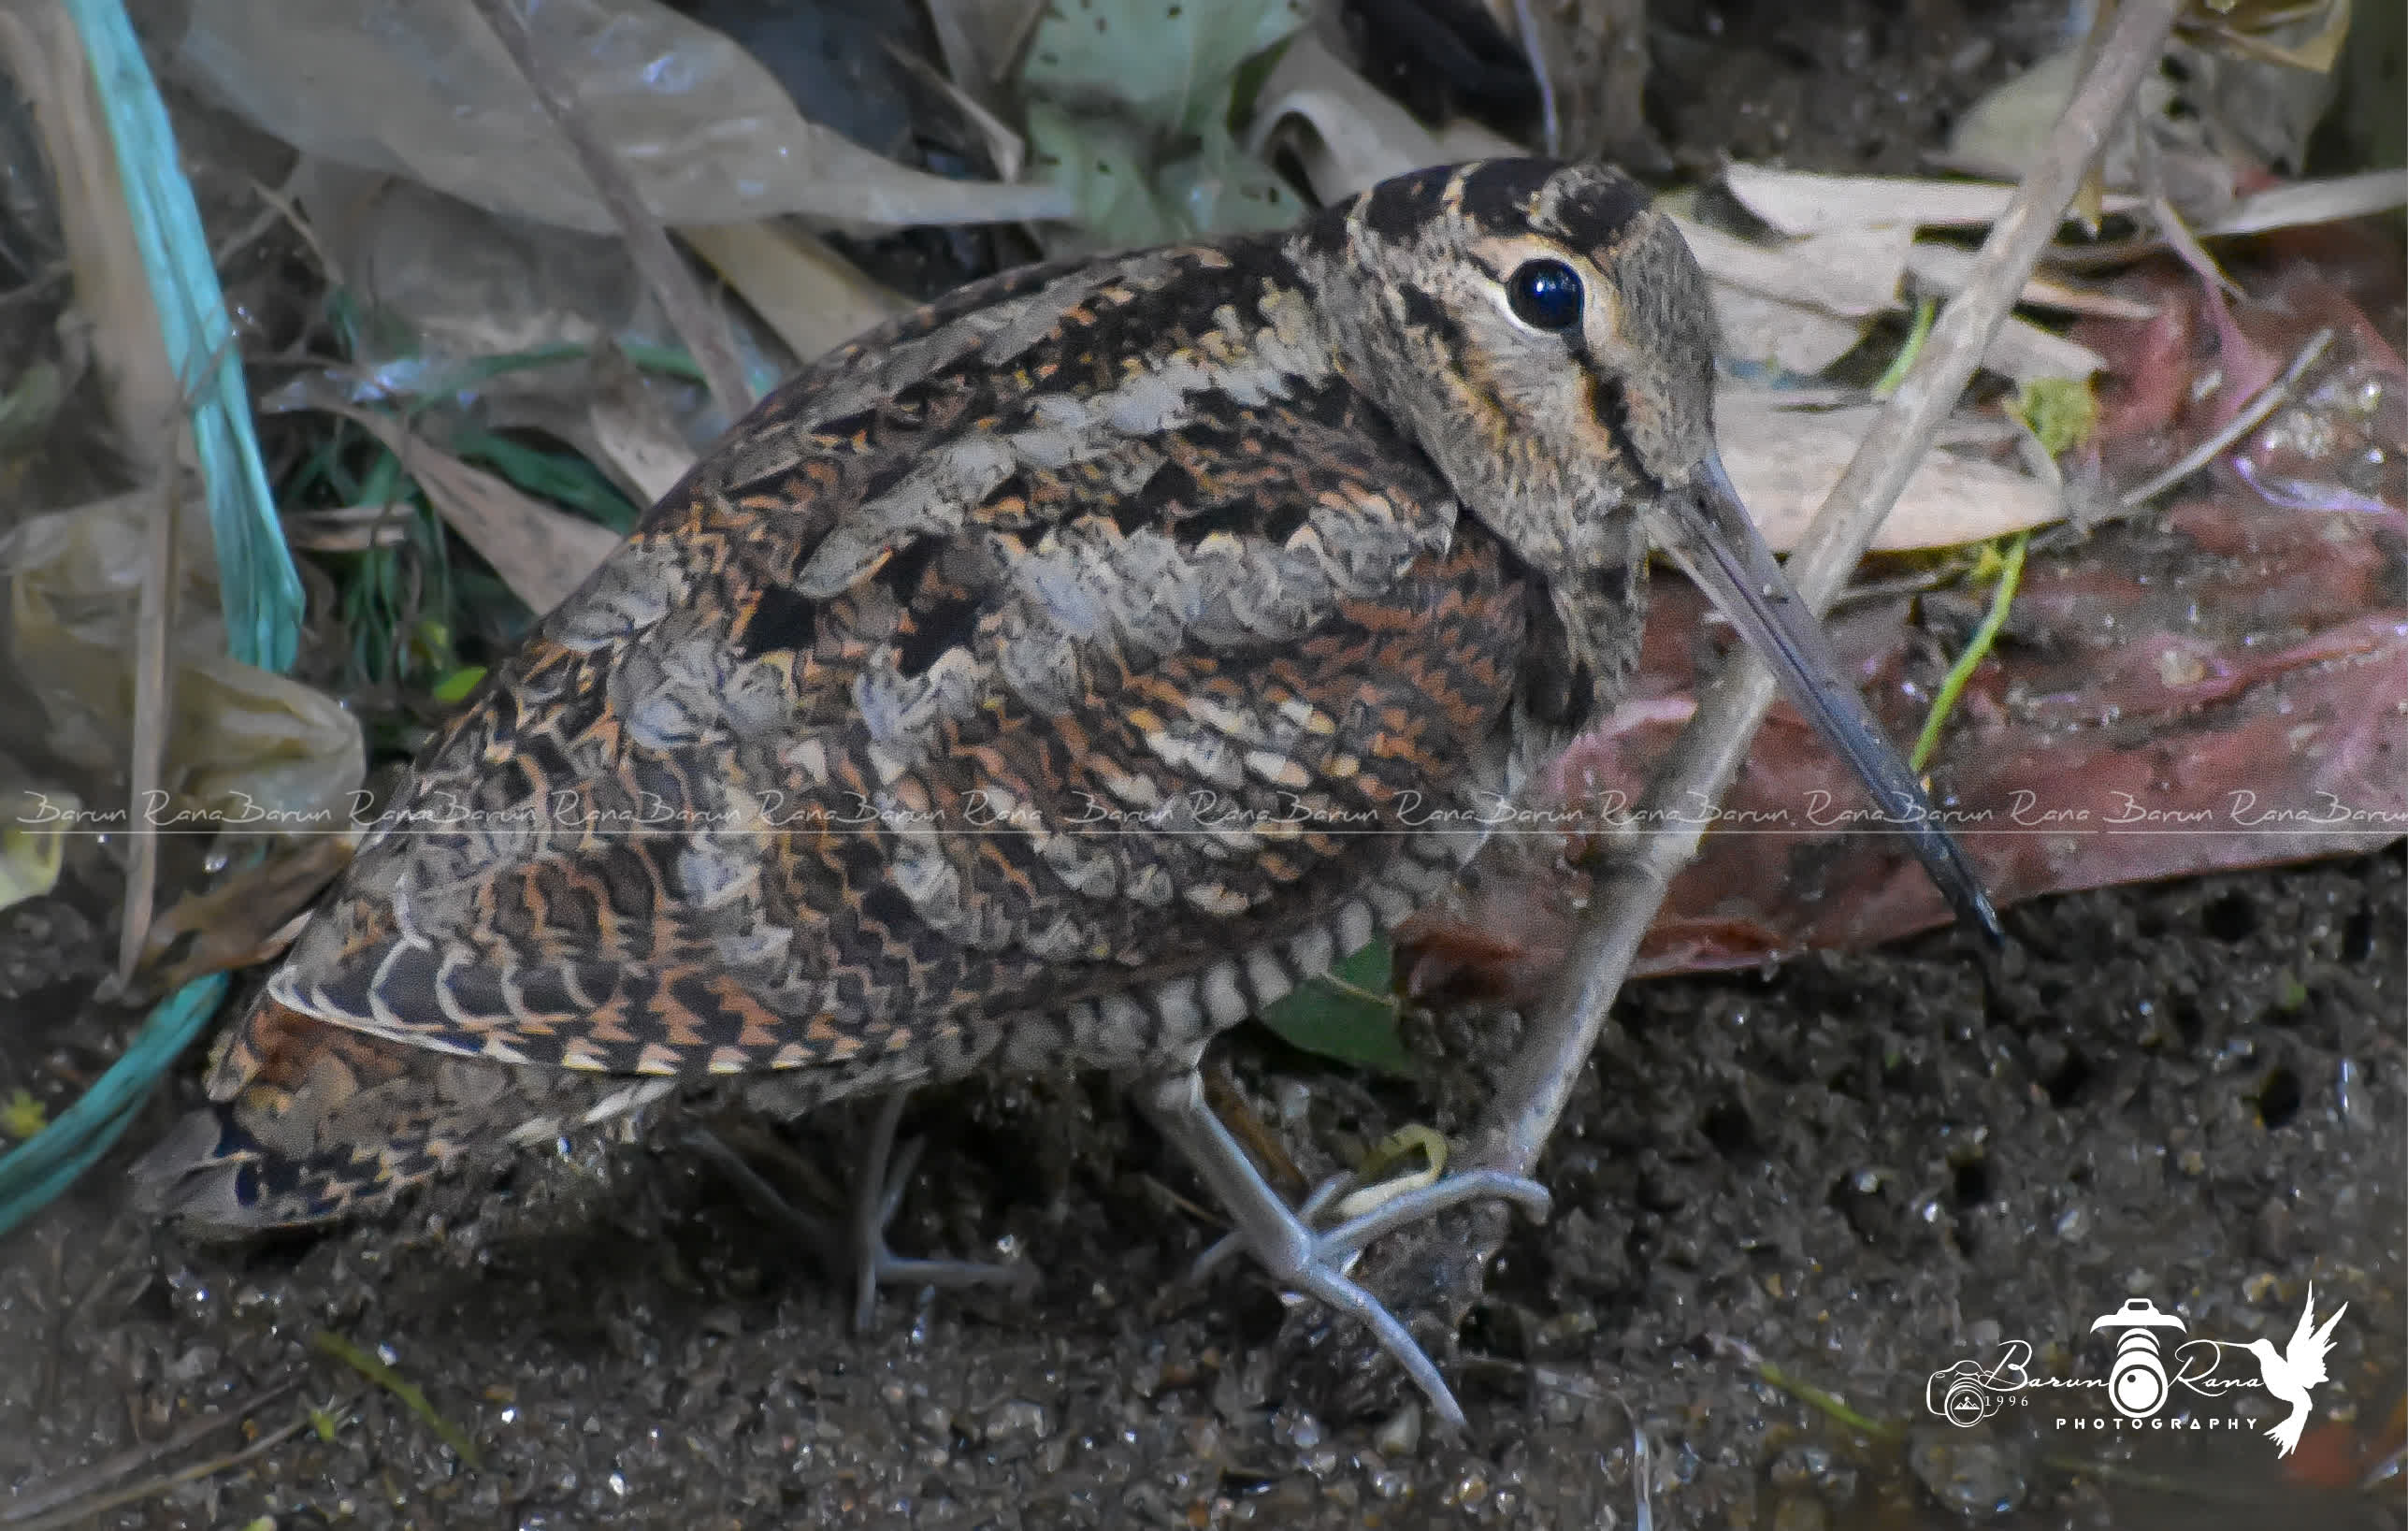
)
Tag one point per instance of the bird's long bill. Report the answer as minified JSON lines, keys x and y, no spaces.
{"x":1709,"y":532}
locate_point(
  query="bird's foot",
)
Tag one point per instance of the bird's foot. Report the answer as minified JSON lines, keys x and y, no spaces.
{"x":1317,"y":1262}
{"x":885,"y":1172}
{"x":877,"y":1191}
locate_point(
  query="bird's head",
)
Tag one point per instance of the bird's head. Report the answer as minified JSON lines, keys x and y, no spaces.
{"x":1545,"y":336}
{"x":1547,"y":339}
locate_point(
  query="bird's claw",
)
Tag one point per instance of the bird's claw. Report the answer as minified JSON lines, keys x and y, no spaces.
{"x":885,"y":1172}
{"x":1317,"y":1264}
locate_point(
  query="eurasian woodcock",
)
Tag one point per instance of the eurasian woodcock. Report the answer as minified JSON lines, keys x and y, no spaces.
{"x":1048,"y":679}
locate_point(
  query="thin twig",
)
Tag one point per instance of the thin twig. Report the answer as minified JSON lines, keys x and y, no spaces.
{"x":1526,"y":18}
{"x":154,"y":701}
{"x":702,"y":328}
{"x":2266,"y":401}
{"x":75,"y":1485}
{"x":100,"y":1504}
{"x":1539,"y":1081}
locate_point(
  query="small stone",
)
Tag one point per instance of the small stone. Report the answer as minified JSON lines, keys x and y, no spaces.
{"x":1400,"y":1434}
{"x":1018,"y":1419}
{"x":1971,"y":1477}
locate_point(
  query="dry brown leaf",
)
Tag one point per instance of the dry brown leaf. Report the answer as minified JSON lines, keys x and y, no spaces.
{"x":252,"y":916}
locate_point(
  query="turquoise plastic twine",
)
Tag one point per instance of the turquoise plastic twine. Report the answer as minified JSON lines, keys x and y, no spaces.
{"x":261,"y":591}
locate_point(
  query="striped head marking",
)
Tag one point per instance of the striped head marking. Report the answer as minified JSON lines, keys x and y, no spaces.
{"x":1547,"y":339}
{"x":1543,"y":333}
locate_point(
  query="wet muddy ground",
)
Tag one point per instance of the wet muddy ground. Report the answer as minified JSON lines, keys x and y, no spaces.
{"x":1860,"y":1170}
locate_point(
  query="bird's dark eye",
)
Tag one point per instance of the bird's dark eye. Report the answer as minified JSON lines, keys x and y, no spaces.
{"x":1545,"y":295}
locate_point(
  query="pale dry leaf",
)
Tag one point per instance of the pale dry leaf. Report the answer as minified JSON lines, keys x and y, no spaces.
{"x":1785,"y":461}
{"x":1945,"y":268}
{"x":1767,"y":332}
{"x":1005,"y":148}
{"x":1465,"y":140}
{"x":982,"y":40}
{"x":2305,"y":39}
{"x":1798,"y":202}
{"x":1849,"y":273}
{"x":1360,"y":135}
{"x":245,"y":748}
{"x":812,"y":296}
{"x":635,"y":439}
{"x":345,"y":528}
{"x":2027,"y":353}
{"x":1803,"y":304}
{"x":2323,"y":201}
{"x":34,"y":826}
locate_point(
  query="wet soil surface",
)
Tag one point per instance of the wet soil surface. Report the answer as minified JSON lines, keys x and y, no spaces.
{"x":1860,"y":1170}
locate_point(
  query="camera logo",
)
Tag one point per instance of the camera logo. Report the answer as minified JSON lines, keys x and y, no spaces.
{"x":1963,"y":1395}
{"x":2146,"y":1370}
{"x":2136,"y":1382}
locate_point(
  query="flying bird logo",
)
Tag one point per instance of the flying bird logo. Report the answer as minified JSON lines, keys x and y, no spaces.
{"x":2291,"y":1373}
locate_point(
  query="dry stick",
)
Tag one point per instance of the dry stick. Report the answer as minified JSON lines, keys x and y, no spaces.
{"x":702,"y":328}
{"x":153,"y":698}
{"x":2267,"y":401}
{"x":50,"y":1494}
{"x":85,"y":1511}
{"x":1526,"y":18}
{"x":1539,"y":1080}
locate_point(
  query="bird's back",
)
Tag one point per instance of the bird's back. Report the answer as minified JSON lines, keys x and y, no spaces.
{"x":1059,"y":671}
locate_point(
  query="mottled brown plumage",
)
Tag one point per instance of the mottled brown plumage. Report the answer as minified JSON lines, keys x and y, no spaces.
{"x":1048,"y":679}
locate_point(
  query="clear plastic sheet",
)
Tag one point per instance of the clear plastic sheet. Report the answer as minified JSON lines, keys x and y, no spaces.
{"x":421,"y":88}
{"x":246,"y":748}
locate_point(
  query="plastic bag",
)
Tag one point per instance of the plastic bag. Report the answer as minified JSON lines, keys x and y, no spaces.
{"x":246,"y":748}
{"x":422,"y":88}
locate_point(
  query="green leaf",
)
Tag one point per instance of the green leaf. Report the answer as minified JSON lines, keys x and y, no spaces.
{"x":1102,"y":162}
{"x":326,"y":1342}
{"x":1129,"y":105}
{"x":454,"y":688}
{"x":1127,"y":201}
{"x":1349,"y":1014}
{"x":561,"y":476}
{"x":23,"y":1115}
{"x":1167,"y":65}
{"x":2061,"y":411}
{"x":1221,"y":189}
